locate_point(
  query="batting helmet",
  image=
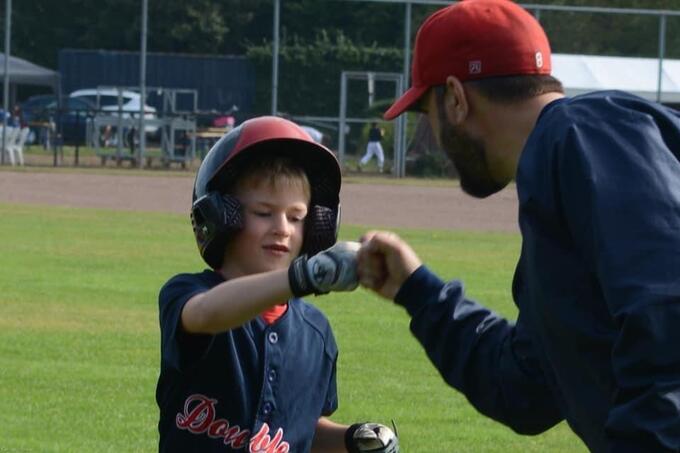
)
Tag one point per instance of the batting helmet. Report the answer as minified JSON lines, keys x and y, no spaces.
{"x":215,"y":216}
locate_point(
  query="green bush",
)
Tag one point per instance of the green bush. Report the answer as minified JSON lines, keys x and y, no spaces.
{"x":309,"y":77}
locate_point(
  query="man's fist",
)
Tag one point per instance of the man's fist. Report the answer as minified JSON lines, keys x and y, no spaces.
{"x":334,"y":269}
{"x":385,"y":261}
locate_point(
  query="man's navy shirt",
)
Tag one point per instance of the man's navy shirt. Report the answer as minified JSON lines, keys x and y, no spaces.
{"x":597,"y":285}
{"x":270,"y":383}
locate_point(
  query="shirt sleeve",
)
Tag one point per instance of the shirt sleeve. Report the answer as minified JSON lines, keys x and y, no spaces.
{"x":331,"y":401}
{"x":178,"y":348}
{"x":490,"y":360}
{"x":620,"y":192}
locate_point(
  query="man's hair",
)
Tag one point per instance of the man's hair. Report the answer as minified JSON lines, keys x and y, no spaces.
{"x":270,"y":169}
{"x":511,"y":89}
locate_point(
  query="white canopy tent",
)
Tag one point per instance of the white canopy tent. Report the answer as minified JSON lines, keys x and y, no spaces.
{"x":23,"y":72}
{"x":584,"y":73}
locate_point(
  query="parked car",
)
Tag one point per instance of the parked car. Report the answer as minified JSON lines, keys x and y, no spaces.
{"x":41,"y":113}
{"x":35,"y":105}
{"x":114,"y":101}
{"x":71,"y":119}
{"x":34,"y":113}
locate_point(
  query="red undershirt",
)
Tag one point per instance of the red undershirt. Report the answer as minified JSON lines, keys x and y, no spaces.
{"x":272,"y":314}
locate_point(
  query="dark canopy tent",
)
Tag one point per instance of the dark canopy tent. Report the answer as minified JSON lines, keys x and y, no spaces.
{"x":23,"y":72}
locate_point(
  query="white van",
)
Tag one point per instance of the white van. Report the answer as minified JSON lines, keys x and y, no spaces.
{"x":108,"y":100}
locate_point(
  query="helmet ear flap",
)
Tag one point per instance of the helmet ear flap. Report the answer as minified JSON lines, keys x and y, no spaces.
{"x":214,"y":218}
{"x":321,"y":229}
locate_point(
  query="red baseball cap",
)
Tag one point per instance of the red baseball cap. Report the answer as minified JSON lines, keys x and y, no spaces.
{"x":474,"y":39}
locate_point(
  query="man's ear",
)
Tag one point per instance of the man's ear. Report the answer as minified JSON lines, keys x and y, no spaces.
{"x":455,"y":101}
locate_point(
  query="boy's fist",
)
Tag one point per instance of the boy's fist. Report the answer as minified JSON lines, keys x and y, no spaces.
{"x":334,"y":269}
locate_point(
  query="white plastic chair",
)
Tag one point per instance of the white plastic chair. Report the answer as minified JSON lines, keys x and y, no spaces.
{"x":16,"y":148}
{"x":11,"y":133}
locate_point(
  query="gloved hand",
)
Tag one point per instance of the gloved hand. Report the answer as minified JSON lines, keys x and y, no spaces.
{"x":334,"y":269}
{"x":371,"y":437}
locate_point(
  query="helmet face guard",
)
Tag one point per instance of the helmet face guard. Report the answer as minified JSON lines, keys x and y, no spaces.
{"x":216,"y":217}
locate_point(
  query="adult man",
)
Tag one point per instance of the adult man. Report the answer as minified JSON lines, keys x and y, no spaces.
{"x":598,"y":280}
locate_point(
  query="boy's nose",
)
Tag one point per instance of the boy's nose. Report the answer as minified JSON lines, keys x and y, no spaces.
{"x":281,"y":225}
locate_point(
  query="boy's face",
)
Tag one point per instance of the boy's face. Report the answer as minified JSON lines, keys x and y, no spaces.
{"x":274,"y":217}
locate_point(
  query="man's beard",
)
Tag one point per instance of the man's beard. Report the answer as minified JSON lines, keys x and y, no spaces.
{"x":469,"y":157}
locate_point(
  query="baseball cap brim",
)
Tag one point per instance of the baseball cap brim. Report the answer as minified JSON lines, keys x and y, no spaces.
{"x":405,"y":102}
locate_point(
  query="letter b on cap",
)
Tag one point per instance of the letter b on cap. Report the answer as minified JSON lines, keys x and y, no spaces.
{"x":539,"y":59}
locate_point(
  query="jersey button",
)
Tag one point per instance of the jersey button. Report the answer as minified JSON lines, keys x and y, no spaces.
{"x":267,"y":408}
{"x":273,"y":337}
{"x":272,"y":375}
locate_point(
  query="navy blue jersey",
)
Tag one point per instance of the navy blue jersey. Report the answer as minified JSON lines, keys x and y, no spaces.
{"x":374,"y":134}
{"x":254,"y":387}
{"x":597,"y":339}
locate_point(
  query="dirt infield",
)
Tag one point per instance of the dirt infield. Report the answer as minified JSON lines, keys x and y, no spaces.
{"x":378,"y":205}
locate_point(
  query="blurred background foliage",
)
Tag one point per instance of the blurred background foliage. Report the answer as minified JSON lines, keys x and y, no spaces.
{"x":318,"y":40}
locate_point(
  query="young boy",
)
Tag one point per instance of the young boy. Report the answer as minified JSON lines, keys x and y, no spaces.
{"x":374,"y":147}
{"x":245,"y":364}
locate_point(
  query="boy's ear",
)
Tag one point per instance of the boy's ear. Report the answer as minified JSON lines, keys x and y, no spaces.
{"x":321,"y":229}
{"x":214,"y":218}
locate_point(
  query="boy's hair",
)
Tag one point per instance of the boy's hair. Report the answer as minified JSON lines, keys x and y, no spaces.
{"x":270,"y":169}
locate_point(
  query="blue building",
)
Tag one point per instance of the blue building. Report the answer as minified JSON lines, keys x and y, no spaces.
{"x":222,"y":82}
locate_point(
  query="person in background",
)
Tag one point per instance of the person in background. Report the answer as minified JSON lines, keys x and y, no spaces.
{"x":17,"y":118}
{"x":374,"y":147}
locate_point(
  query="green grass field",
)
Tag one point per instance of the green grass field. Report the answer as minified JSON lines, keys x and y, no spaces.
{"x":79,"y":337}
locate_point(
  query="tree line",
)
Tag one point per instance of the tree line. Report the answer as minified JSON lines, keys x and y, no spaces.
{"x":319,"y":38}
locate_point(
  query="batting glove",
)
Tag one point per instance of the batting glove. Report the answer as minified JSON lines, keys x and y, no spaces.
{"x":371,"y":437}
{"x":334,"y":269}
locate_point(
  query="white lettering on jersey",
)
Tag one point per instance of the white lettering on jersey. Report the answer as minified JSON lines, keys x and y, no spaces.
{"x":199,"y":418}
